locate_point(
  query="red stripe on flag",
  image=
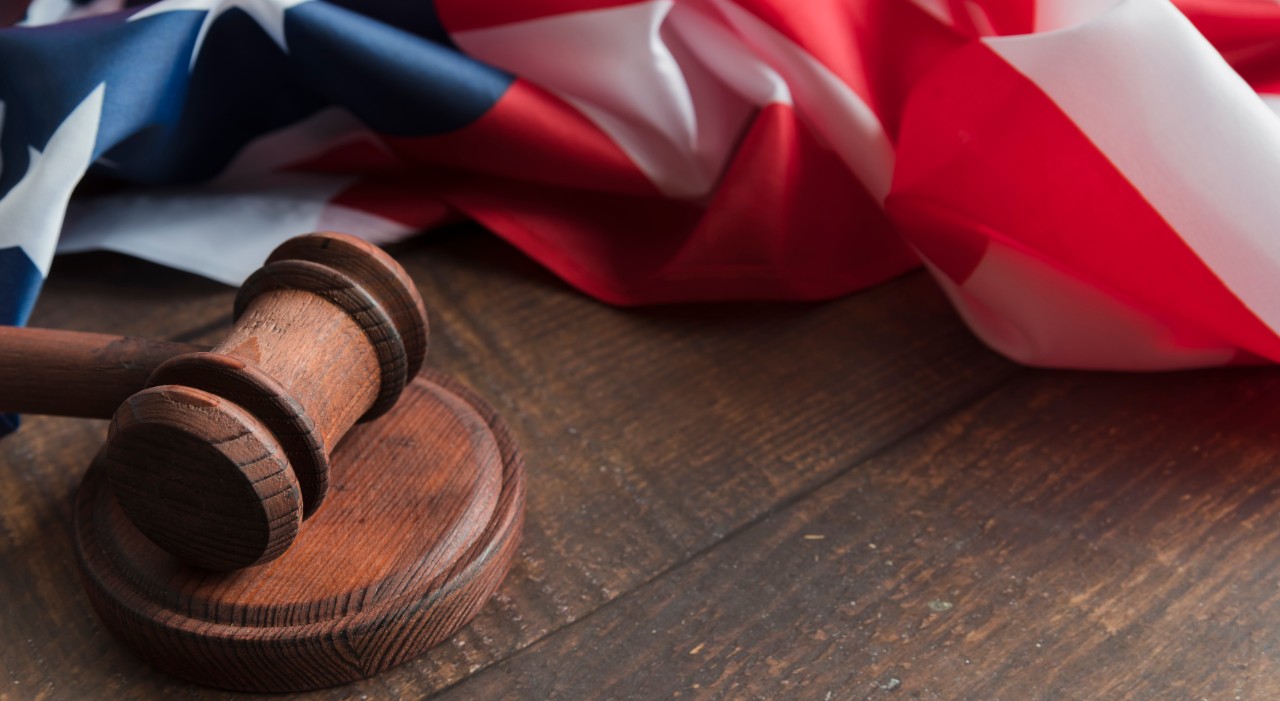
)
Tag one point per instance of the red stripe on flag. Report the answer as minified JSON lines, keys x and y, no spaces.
{"x":462,"y":15}
{"x":1044,"y":188}
{"x":993,"y":18}
{"x":879,"y":49}
{"x":530,"y":134}
{"x":1246,"y":34}
{"x":789,"y":208}
{"x":409,"y":201}
{"x":605,"y":244}
{"x":359,"y":156}
{"x":385,"y":188}
{"x":788,"y":221}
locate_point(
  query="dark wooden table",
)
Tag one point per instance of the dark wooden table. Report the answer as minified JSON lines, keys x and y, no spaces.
{"x":850,"y":500}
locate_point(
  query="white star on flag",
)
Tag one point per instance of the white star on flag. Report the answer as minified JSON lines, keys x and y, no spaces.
{"x":33,"y":209}
{"x":269,"y":14}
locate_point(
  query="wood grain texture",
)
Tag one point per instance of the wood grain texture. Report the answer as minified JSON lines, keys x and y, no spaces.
{"x":659,"y":432}
{"x":1072,"y":536}
{"x":289,"y":428}
{"x":329,"y":330}
{"x":652,"y":436}
{"x":422,"y":528}
{"x":74,"y":373}
{"x":377,"y":273}
{"x":301,"y":332}
{"x":116,"y":294}
{"x":223,"y":480}
{"x":201,"y":477}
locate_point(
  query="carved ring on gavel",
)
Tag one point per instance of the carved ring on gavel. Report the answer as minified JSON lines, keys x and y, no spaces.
{"x":225,"y":451}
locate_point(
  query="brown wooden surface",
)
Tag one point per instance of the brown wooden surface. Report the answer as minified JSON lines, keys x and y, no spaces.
{"x":846,"y":500}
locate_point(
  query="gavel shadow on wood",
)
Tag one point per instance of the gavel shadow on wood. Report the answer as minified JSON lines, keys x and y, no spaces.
{"x":218,"y":454}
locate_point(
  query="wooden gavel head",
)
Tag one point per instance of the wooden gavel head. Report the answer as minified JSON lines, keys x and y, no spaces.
{"x":223,"y":455}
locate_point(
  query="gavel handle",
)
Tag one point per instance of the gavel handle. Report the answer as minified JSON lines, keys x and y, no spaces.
{"x":70,"y":373}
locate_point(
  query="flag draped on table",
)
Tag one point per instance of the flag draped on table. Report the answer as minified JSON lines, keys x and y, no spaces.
{"x":1094,"y":183}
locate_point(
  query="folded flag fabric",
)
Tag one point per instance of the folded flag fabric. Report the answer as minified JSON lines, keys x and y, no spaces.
{"x":1094,"y":183}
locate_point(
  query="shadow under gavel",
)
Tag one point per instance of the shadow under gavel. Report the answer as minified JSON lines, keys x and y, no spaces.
{"x":218,"y":454}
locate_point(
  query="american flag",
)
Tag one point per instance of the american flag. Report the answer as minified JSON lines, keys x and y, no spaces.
{"x":1094,"y":183}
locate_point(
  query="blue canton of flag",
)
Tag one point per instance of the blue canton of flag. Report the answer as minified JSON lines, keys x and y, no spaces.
{"x":173,"y":92}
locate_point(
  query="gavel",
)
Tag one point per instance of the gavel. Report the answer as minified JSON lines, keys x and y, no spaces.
{"x":217,"y":455}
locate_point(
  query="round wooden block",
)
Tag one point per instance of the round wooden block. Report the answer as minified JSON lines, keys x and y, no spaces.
{"x":420,"y":526}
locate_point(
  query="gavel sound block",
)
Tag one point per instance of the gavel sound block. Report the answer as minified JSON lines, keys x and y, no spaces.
{"x":215,"y":464}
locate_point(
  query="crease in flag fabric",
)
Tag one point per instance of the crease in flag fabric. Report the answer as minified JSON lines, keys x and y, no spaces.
{"x":1091,"y":182}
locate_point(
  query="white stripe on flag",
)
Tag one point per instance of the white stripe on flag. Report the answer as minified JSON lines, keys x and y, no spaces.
{"x":725,"y":56}
{"x":1036,"y":314}
{"x":835,"y":112}
{"x":676,"y":122}
{"x":224,"y":229}
{"x":1180,"y":125}
{"x":223,"y":233}
{"x":1061,"y":14}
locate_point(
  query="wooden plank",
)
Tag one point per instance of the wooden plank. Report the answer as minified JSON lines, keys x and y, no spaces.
{"x":112,"y":293}
{"x":651,"y":435}
{"x":1073,"y":536}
